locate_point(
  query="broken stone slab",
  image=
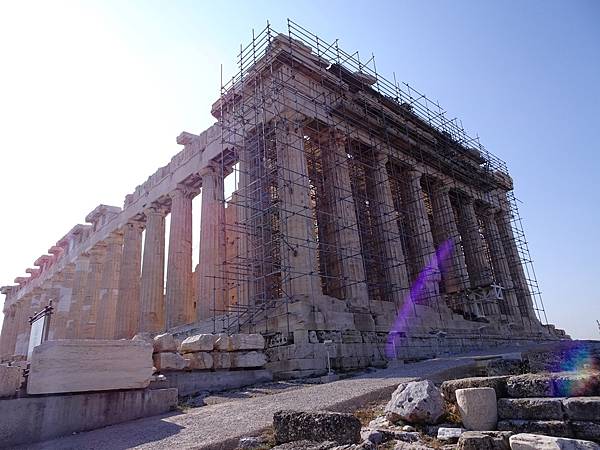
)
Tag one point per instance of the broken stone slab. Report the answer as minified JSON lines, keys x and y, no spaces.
{"x":531,"y":408}
{"x":165,"y":343}
{"x":586,"y":430}
{"x":199,"y":360}
{"x":79,"y":365}
{"x":253,"y":341}
{"x":548,"y":427}
{"x":241,"y":360}
{"x":484,"y":440}
{"x":478,"y":409}
{"x":530,"y":385}
{"x":221,"y":360}
{"x":527,"y":441}
{"x":198,"y":343}
{"x":10,"y":380}
{"x":169,"y":361}
{"x":450,"y":435}
{"x":582,"y":408}
{"x":498,"y":383}
{"x":293,"y":426}
{"x":416,"y":402}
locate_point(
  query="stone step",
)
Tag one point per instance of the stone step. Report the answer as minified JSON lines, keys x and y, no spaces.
{"x":560,"y":384}
{"x":530,"y":408}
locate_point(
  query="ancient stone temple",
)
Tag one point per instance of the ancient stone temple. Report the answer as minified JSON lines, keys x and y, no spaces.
{"x":363,"y":224}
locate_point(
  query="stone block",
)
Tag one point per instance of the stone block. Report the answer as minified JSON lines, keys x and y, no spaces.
{"x":530,"y":385}
{"x":169,"y":361}
{"x":198,"y":343}
{"x":484,"y":440}
{"x":144,"y":337}
{"x":576,"y":384}
{"x":548,"y":427}
{"x":248,"y":359}
{"x":501,"y":366}
{"x":221,"y":360}
{"x":89,"y":365}
{"x":582,"y":408}
{"x":478,"y":409}
{"x":222,"y":342}
{"x":497,"y":383}
{"x":293,"y":426}
{"x":199,"y":360}
{"x":10,"y":380}
{"x":449,"y":434}
{"x":586,"y":430}
{"x":526,"y":441}
{"x":165,"y":343}
{"x":416,"y":402}
{"x":239,"y":342}
{"x":530,"y":408}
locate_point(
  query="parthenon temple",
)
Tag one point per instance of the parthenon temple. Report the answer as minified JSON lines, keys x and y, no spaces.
{"x":337,"y":207}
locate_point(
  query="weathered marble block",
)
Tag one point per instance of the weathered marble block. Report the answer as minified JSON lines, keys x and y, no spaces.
{"x":248,"y":359}
{"x":222,"y":342}
{"x":169,"y":361}
{"x":221,"y":360}
{"x":239,"y":342}
{"x":10,"y":380}
{"x":165,"y":343}
{"x":198,"y":343}
{"x":199,"y":361}
{"x":81,"y":365}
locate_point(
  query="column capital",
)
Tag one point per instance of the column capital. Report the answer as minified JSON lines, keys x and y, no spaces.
{"x":209,"y":170}
{"x":155,"y":210}
{"x":440,"y":187}
{"x":183,"y":191}
{"x":414,"y":173}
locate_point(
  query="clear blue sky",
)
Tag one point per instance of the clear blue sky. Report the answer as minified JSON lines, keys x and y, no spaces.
{"x":524,"y":75}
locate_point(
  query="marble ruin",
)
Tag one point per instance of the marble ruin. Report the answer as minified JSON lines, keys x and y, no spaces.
{"x":363,"y":224}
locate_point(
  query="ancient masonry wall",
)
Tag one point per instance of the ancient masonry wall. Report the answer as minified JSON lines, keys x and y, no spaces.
{"x":363,"y":225}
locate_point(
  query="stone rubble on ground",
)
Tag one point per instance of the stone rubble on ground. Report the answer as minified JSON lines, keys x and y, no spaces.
{"x":450,"y":435}
{"x":526,"y":441}
{"x":319,"y":426}
{"x":416,"y":402}
{"x":484,"y":440}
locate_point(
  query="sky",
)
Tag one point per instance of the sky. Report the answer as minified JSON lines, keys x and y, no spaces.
{"x":94,"y":93}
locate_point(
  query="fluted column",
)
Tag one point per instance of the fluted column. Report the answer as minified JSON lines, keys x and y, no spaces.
{"x":422,"y":237}
{"x":211,"y":286}
{"x":478,"y":266}
{"x":89,"y":308}
{"x":299,"y":267}
{"x":386,"y":220}
{"x":454,"y":268}
{"x":80,"y":278}
{"x":129,"y":301}
{"x":61,"y":288}
{"x":23,"y":328}
{"x":152,"y":316}
{"x":500,"y":262}
{"x":179,"y":300}
{"x":108,"y":290}
{"x":345,"y":225}
{"x":515,"y":264}
{"x":9,"y":330}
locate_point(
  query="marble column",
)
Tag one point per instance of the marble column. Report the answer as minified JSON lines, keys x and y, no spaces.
{"x":480,"y":272}
{"x":502,"y":275}
{"x":80,"y":278}
{"x":89,"y":307}
{"x":515,"y":264}
{"x":179,"y":301}
{"x":8,"y":336}
{"x":23,"y":327}
{"x":345,"y":225}
{"x":422,"y":237}
{"x":129,"y":301}
{"x":152,"y":315}
{"x":445,"y":228}
{"x":386,"y":220}
{"x":299,"y":267}
{"x":61,"y":287}
{"x":108,"y":289}
{"x":211,"y":282}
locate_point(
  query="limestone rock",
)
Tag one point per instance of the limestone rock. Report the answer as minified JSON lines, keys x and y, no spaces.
{"x":248,"y":359}
{"x":582,"y":408}
{"x":484,"y":440}
{"x":586,"y":430}
{"x":477,"y":407}
{"x":221,"y":360}
{"x":501,"y":366}
{"x":416,"y":402}
{"x":450,"y":435}
{"x":222,"y":342}
{"x":165,"y":343}
{"x":78,"y":365}
{"x":530,"y":408}
{"x":530,"y":385}
{"x":199,"y":360}
{"x":239,"y":342}
{"x":498,"y":383}
{"x":374,"y":436}
{"x":169,"y":361}
{"x":10,"y":380}
{"x":412,"y":446}
{"x":526,"y":441}
{"x":251,"y":442}
{"x":144,"y":337}
{"x":576,"y":384}
{"x":379,"y":422}
{"x":316,"y":426}
{"x":198,"y":343}
{"x":548,"y":427}
{"x":310,"y":445}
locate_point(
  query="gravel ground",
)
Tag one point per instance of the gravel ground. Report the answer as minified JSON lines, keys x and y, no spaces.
{"x":220,"y":424}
